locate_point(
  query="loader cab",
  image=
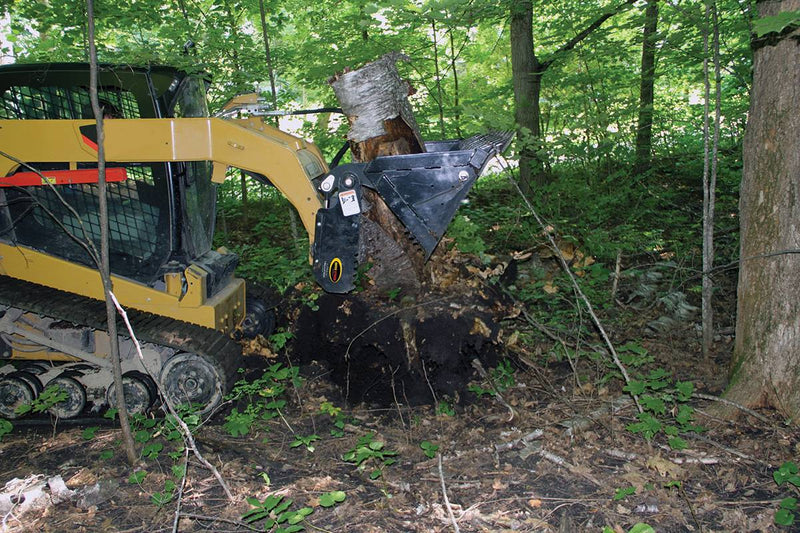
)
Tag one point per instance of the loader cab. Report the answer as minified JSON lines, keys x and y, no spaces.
{"x":161,"y":215}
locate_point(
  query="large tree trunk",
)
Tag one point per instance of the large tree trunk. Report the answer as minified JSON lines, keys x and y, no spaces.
{"x":527,"y":71}
{"x":644,"y":128}
{"x":766,"y":364}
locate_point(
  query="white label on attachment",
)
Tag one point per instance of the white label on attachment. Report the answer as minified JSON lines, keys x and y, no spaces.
{"x":349,"y":202}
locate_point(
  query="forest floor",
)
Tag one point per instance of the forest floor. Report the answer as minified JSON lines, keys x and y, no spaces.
{"x":552,"y":456}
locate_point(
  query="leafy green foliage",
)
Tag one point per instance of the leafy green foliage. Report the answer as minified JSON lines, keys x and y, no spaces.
{"x":502,"y":377}
{"x":466,"y":235}
{"x":48,"y":398}
{"x":787,"y":473}
{"x":429,"y":448}
{"x":623,"y":492}
{"x":339,"y":418}
{"x":329,"y":499}
{"x":305,"y":440}
{"x":637,"y":528}
{"x":137,"y":477}
{"x":162,"y":498}
{"x":369,"y":452}
{"x":665,"y":407}
{"x":263,"y":397}
{"x":776,"y":23}
{"x":90,"y":432}
{"x":276,"y":512}
{"x":445,"y":407}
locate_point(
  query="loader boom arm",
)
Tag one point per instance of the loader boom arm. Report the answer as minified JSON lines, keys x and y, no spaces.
{"x":288,"y":162}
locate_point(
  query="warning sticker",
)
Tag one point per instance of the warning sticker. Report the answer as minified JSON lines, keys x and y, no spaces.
{"x":349,"y":202}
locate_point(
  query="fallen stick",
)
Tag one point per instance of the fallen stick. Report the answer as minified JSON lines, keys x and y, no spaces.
{"x":446,"y":500}
{"x":732,"y":404}
{"x":560,"y":461}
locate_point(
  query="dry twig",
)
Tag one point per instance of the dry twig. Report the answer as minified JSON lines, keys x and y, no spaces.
{"x":187,"y":433}
{"x":446,"y":500}
{"x":577,"y":288}
{"x":732,"y":404}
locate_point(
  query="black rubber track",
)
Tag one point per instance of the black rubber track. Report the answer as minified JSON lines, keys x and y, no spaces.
{"x":215,"y":347}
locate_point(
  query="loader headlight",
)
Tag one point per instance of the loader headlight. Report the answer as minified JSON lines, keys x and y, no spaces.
{"x":311,"y":165}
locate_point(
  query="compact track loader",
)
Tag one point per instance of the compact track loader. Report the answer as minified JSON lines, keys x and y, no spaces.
{"x":165,"y":156}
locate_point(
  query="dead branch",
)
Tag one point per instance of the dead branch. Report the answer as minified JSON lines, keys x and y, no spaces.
{"x":187,"y":433}
{"x":446,"y":500}
{"x":576,"y":286}
{"x":742,"y":408}
{"x":560,"y":461}
{"x":180,"y":490}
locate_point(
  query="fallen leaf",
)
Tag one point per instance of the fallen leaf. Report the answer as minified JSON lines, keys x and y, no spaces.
{"x":664,"y":467}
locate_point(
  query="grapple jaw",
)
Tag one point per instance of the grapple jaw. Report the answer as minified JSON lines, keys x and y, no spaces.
{"x":423,"y":190}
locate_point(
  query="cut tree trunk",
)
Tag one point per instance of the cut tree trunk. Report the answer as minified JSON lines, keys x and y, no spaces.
{"x":374,"y":99}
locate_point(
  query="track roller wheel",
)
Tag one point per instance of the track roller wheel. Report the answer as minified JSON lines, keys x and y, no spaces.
{"x":14,"y":393}
{"x":188,"y":379}
{"x":140,"y":392}
{"x":30,"y":378}
{"x":74,"y":403}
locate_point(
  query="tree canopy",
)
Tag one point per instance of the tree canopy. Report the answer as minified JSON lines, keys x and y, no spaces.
{"x":460,"y":61}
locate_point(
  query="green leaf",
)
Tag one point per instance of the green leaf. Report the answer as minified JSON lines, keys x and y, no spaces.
{"x":623,"y":492}
{"x":137,"y":477}
{"x":329,"y":499}
{"x":776,"y":23}
{"x":648,"y":425}
{"x":106,"y":454}
{"x":238,"y":424}
{"x":787,"y":473}
{"x":789,"y":503}
{"x":178,"y":471}
{"x":5,"y":427}
{"x":290,"y":529}
{"x":89,"y":433}
{"x":111,"y":414}
{"x":642,"y":528}
{"x":635,"y":387}
{"x":375,"y":445}
{"x":677,"y":443}
{"x":376,"y":474}
{"x":684,"y":390}
{"x":151,"y":450}
{"x":298,"y":516}
{"x":784,"y":517}
{"x":654,"y":404}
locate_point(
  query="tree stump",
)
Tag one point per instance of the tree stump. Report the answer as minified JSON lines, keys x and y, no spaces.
{"x":374,"y":99}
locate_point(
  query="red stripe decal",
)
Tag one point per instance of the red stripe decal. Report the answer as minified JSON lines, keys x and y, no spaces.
{"x":62,"y":177}
{"x":90,"y":143}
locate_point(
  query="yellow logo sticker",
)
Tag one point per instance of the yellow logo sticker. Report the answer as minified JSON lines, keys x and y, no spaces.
{"x":335,"y":270}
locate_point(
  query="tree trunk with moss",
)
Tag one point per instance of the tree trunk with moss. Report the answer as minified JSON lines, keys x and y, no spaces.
{"x":766,"y":363}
